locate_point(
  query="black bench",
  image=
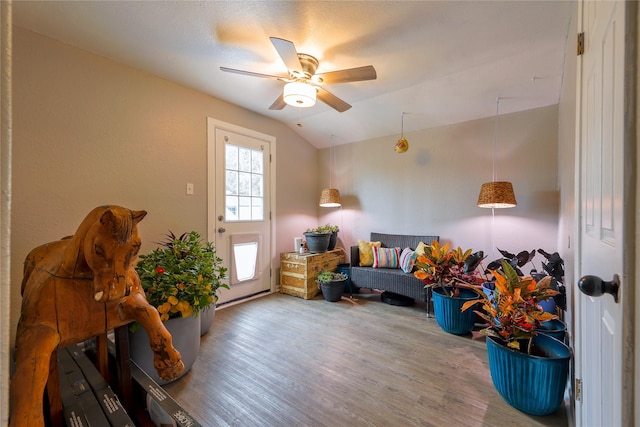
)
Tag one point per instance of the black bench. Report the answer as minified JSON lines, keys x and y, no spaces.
{"x":390,"y":280}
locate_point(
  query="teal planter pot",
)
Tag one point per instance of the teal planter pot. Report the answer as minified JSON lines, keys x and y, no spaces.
{"x":448,"y":311}
{"x":532,"y":384}
{"x":348,"y":286}
{"x":554,"y":328}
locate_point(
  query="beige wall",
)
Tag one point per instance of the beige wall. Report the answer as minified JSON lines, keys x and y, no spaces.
{"x":566,"y":160}
{"x":433,"y":188}
{"x":89,"y":131}
{"x":5,"y":205}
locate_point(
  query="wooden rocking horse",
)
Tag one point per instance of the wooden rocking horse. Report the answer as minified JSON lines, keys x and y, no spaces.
{"x":77,"y":288}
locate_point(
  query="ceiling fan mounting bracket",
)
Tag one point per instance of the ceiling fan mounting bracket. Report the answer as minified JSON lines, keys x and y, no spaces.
{"x":309,"y":66}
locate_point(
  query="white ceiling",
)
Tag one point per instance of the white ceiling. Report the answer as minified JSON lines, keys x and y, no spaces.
{"x":442,"y":62}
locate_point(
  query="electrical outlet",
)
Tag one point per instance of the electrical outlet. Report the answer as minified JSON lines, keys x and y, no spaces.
{"x":189,"y":189}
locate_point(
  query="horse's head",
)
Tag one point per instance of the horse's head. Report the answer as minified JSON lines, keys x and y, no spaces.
{"x":110,"y":249}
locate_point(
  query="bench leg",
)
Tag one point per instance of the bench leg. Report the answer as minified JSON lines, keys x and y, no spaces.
{"x":428,"y":300}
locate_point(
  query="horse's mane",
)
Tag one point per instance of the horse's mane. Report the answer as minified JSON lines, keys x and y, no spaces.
{"x":122,"y":225}
{"x":121,"y":222}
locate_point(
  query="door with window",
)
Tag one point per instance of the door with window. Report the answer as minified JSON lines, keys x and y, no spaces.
{"x":239,"y":207}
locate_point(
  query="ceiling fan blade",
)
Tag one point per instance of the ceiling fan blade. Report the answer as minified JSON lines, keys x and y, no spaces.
{"x":278,"y":104}
{"x":332,"y":101}
{"x":351,"y":75}
{"x":251,"y":73}
{"x":288,"y":53}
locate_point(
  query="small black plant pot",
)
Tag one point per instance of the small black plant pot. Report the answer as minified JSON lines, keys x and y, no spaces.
{"x":333,"y":240}
{"x":317,"y":242}
{"x":332,"y":291}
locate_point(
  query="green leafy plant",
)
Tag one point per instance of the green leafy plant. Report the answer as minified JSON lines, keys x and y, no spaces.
{"x":181,"y":277}
{"x":439,"y":266}
{"x":326,"y":276}
{"x":323,"y":229}
{"x":513,"y":313}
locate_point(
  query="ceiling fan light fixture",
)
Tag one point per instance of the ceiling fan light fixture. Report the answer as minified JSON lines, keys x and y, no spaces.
{"x":299,"y":94}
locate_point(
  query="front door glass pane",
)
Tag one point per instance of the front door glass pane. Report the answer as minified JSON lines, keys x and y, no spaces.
{"x":244,"y":184}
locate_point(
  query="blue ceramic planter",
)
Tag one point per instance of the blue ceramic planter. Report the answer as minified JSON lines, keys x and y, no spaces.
{"x":449,"y":314}
{"x":532,"y":384}
{"x":555,"y":328}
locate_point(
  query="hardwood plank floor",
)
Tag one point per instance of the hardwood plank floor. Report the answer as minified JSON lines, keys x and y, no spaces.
{"x":284,"y":361}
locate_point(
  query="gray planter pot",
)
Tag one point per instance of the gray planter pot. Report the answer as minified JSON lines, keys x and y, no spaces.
{"x":317,"y":242}
{"x":185,"y":334}
{"x":206,"y":319}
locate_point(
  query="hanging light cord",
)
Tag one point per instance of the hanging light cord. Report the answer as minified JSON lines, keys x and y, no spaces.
{"x":330,"y":158}
{"x":494,"y":179}
{"x":494,"y":176}
{"x":402,"y":126}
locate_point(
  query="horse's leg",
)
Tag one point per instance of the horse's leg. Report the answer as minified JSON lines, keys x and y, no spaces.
{"x":166,"y":359}
{"x":34,"y":347}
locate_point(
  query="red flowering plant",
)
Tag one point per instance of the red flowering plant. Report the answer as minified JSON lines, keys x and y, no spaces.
{"x":514,"y":313}
{"x":182,"y":277}
{"x":449,"y":269}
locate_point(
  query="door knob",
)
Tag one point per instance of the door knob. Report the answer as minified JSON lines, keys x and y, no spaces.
{"x":595,"y":286}
{"x":221,"y":230}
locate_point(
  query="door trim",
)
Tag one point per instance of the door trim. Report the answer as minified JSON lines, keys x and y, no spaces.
{"x":629,"y":295}
{"x":212,"y":125}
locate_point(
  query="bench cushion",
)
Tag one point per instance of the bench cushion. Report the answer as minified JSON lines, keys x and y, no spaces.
{"x":387,"y":279}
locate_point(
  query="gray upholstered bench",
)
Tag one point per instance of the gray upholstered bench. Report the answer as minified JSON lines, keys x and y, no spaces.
{"x":390,"y":280}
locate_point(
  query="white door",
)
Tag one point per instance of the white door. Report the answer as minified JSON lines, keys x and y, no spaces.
{"x":601,"y":363}
{"x":239,"y":207}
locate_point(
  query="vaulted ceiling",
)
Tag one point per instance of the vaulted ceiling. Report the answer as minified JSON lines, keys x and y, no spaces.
{"x":440,"y":62}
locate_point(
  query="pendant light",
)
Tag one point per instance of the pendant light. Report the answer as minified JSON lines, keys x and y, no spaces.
{"x":330,"y":197}
{"x":402,"y":145}
{"x":496,"y":194}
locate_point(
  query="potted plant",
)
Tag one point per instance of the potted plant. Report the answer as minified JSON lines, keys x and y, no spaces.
{"x":181,"y":279}
{"x":333,"y":229}
{"x":332,"y":284}
{"x":318,"y":239}
{"x":554,"y":267}
{"x":529,"y":369}
{"x":451,"y":279}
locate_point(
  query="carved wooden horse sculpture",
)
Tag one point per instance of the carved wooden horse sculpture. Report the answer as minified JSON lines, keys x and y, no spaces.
{"x":77,"y":288}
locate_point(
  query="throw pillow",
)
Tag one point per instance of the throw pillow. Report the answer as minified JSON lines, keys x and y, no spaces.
{"x":407,"y":260}
{"x":366,"y":253}
{"x":386,"y":257}
{"x":421,"y":248}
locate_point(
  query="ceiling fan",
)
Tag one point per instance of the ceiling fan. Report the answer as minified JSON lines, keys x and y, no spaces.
{"x":303,"y":85}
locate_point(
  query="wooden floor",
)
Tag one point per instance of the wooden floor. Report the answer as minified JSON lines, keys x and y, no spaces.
{"x":283,"y":361}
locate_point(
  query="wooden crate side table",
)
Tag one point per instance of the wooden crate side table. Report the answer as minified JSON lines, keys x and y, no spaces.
{"x":298,"y":271}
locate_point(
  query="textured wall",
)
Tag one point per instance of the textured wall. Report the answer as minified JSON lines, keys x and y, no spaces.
{"x":89,"y":131}
{"x":433,"y":188}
